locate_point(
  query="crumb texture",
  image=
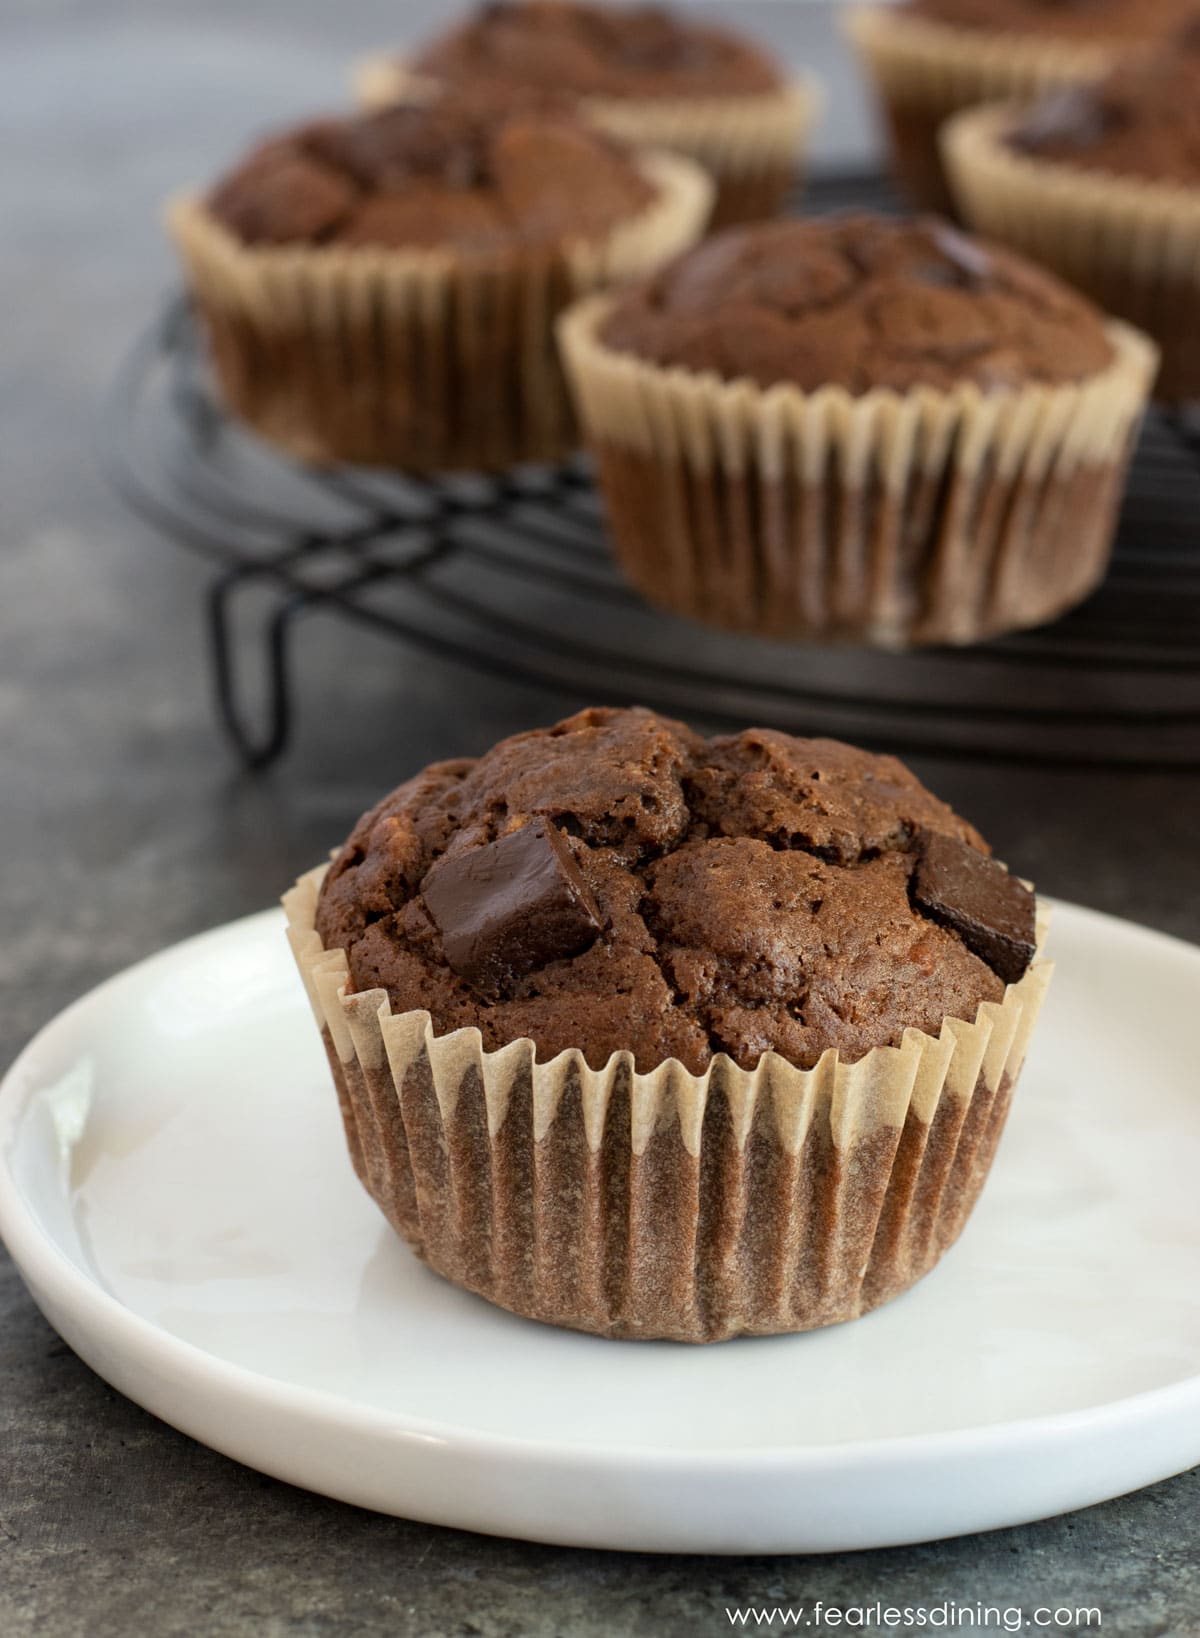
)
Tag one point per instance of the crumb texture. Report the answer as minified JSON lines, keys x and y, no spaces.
{"x":860,"y":301}
{"x":752,"y":893}
{"x":477,"y":171}
{"x":597,"y":50}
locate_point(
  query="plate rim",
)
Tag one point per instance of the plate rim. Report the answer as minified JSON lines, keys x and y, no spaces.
{"x":47,"y":1268}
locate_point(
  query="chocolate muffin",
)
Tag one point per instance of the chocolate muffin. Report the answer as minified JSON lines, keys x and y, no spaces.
{"x":1102,"y":183}
{"x":619,"y":1015}
{"x":381,"y":288}
{"x":858,"y":428}
{"x":744,"y":896}
{"x":930,"y":58}
{"x":648,"y":75}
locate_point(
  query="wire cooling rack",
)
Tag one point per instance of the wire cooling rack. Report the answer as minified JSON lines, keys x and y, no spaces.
{"x":512,"y":575}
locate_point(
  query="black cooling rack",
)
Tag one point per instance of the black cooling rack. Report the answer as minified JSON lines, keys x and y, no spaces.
{"x":512,"y":575}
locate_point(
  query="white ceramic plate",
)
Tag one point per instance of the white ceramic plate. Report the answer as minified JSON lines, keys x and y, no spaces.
{"x":174,"y":1187}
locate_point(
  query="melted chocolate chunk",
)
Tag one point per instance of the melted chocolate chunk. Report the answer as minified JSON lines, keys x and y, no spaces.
{"x":969,"y":259}
{"x":511,"y":906}
{"x":1075,"y":117}
{"x":974,"y":896}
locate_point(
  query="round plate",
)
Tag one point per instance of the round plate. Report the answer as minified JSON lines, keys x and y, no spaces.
{"x":175,"y":1189}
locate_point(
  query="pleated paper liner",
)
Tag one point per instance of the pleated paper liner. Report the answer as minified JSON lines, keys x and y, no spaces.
{"x":1131,"y":244}
{"x":888,"y":518}
{"x":751,"y":144}
{"x":923,"y":71}
{"x":667,"y":1204}
{"x":426,"y":359}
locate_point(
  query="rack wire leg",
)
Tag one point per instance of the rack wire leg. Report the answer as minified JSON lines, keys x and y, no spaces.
{"x":257,"y":743}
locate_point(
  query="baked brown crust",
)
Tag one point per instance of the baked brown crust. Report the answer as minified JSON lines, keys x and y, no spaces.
{"x":753,"y":893}
{"x":1114,"y":20}
{"x":596,"y":50}
{"x":477,"y":172}
{"x":859,"y":302}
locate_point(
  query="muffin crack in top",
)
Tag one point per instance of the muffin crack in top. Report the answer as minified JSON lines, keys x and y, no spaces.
{"x":594,"y":50}
{"x":738,"y":894}
{"x":860,"y":302}
{"x":476,"y":170}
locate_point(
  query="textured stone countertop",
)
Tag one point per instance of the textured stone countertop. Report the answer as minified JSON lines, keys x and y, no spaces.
{"x":125,"y":826}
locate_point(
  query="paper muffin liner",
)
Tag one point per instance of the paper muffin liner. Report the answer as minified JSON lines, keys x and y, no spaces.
{"x":923,"y":71}
{"x":885,"y":518}
{"x":1132,"y":245}
{"x":691,"y":1207}
{"x":424,"y":360}
{"x":752,"y":144}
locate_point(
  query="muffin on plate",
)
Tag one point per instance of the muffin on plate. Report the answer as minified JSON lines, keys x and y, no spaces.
{"x":929,"y":58}
{"x":646,"y":74}
{"x":1102,"y":184}
{"x":652,"y":1035}
{"x":382,"y":288}
{"x":858,"y":429}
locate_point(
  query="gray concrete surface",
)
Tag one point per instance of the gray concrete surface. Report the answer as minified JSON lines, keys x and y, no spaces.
{"x":124,"y":826}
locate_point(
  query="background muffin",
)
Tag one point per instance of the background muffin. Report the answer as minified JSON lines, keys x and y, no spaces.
{"x":929,"y":58}
{"x":382,"y":288}
{"x":1103,"y":185}
{"x":646,"y":1034}
{"x":644,"y":73}
{"x":858,"y":428}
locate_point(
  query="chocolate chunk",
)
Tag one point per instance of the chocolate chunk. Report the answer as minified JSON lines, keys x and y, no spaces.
{"x":555,"y":178}
{"x":975,"y":897}
{"x":966,"y":256}
{"x":278,"y":196}
{"x":511,"y":906}
{"x":1072,"y":117}
{"x":389,"y":150}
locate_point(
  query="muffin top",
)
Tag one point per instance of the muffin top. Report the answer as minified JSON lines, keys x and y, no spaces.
{"x":859,"y":302}
{"x":597,"y":50}
{"x":618,"y":882}
{"x":473,"y":171}
{"x":1143,"y":120}
{"x":1080,"y":20}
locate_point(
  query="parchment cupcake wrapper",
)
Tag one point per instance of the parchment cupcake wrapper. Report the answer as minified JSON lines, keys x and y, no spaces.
{"x":668,"y":1204}
{"x":885,"y":518}
{"x":1130,"y":244}
{"x":424,"y":360}
{"x":751,"y":144}
{"x":924,"y":71}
